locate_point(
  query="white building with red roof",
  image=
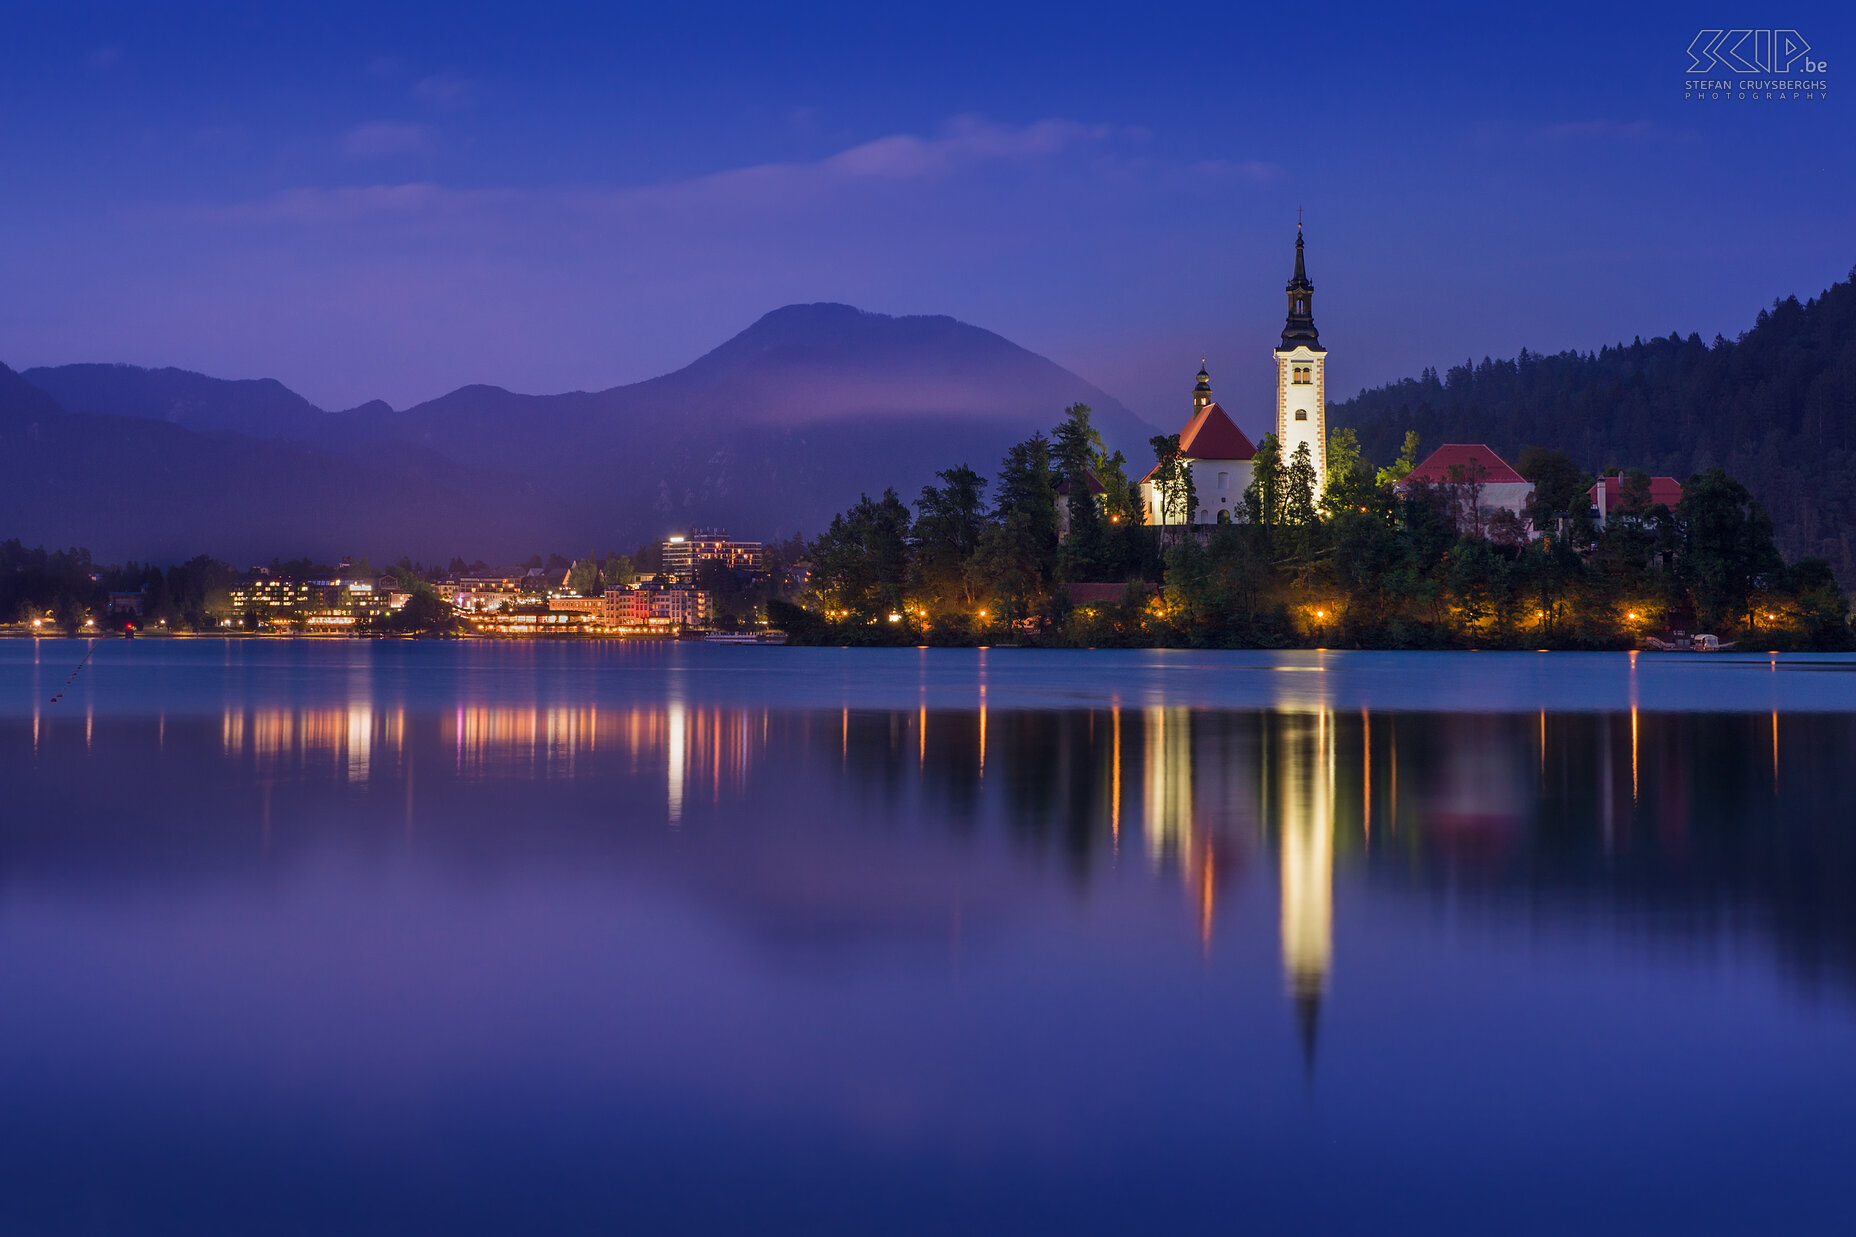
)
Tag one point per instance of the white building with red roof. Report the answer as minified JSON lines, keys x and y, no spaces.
{"x":1218,"y":456}
{"x":1609,"y":497}
{"x":1477,"y":481}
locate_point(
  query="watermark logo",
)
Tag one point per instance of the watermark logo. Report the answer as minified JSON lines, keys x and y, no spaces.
{"x":1755,"y":66}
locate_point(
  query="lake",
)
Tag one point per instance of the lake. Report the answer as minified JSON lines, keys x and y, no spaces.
{"x":478,"y":937}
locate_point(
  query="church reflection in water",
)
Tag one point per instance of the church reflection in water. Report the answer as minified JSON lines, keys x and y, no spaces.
{"x":1687,"y":817}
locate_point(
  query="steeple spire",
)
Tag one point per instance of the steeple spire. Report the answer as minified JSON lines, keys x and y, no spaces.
{"x":1300,"y":326}
{"x":1202,"y":393}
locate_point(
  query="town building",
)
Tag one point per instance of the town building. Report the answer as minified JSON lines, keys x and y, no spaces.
{"x":531,"y":620}
{"x":1219,"y":457}
{"x":1611,"y":497}
{"x":683,"y":553}
{"x":127,"y":603}
{"x":316,"y":603}
{"x":1477,"y":485}
{"x":680,"y":607}
{"x":626,"y":607}
{"x":267,"y":596}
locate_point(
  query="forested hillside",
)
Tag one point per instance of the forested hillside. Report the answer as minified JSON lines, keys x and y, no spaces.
{"x":1776,"y":408}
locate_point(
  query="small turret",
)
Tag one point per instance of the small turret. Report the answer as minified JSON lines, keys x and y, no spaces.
{"x":1202,"y":394}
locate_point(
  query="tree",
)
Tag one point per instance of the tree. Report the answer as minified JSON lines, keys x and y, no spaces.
{"x":1298,"y":489}
{"x":616,"y":571}
{"x":1077,"y":447}
{"x":1019,"y":553}
{"x":1263,"y":497}
{"x":861,"y":563}
{"x":1172,"y":481}
{"x":1351,"y":481}
{"x":583,"y":577}
{"x":1463,"y":485}
{"x":1478,"y":579}
{"x":1727,"y":547}
{"x":425,"y":613}
{"x":950,"y":522}
{"x":1407,"y":460}
{"x":1559,"y":485}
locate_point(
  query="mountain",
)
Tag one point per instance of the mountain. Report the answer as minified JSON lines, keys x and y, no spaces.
{"x":774,"y":431}
{"x":145,"y":488}
{"x":1776,"y":408}
{"x":261,"y":407}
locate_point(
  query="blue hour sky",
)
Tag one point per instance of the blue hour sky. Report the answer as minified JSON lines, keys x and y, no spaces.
{"x":383,"y":200}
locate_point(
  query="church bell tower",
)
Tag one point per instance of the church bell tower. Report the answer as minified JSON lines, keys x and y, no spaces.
{"x":1301,"y":381}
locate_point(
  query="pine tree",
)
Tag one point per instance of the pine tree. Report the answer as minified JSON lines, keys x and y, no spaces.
{"x":1298,"y":499}
{"x":1263,"y":497}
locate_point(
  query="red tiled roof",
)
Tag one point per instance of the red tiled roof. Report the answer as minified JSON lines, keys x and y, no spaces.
{"x":1476,"y":459}
{"x":1213,"y":435}
{"x":1664,"y":490}
{"x":1095,"y":486}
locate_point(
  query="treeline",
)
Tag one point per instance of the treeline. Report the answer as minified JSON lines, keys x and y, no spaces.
{"x":70,"y":588}
{"x":1774,"y":408}
{"x":1360,"y":563}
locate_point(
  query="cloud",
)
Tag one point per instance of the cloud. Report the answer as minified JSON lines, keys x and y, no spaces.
{"x":381,"y":138}
{"x":965,"y":144}
{"x":444,"y":91}
{"x":348,"y":203}
{"x":1600,"y":131}
{"x":965,"y":141}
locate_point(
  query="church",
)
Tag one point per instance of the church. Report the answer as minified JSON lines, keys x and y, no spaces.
{"x":1217,"y":452}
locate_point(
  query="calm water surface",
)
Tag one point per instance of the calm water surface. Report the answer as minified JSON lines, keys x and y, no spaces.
{"x":307,"y":937}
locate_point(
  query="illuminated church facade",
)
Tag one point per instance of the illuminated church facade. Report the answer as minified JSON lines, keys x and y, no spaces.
{"x":1218,"y":453}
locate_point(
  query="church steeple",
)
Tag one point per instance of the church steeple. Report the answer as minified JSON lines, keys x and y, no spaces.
{"x":1202,"y":394}
{"x":1300,"y":327}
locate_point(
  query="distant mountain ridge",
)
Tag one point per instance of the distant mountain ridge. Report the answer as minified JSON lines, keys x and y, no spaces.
{"x":260,"y":407}
{"x":138,"y":487}
{"x":771,"y":432}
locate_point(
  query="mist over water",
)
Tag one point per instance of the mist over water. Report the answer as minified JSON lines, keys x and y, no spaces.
{"x":475,"y":937}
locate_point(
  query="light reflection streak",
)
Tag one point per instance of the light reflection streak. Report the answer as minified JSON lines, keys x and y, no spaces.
{"x":675,"y":759}
{"x":1633,"y":753}
{"x":1306,"y":810}
{"x":1169,"y":784}
{"x":1114,"y":793}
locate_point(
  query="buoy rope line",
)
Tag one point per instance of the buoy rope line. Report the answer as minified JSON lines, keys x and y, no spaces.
{"x":57,"y":696}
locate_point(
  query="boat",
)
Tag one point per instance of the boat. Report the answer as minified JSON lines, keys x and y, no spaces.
{"x":1685,"y":643}
{"x":744,"y":637}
